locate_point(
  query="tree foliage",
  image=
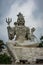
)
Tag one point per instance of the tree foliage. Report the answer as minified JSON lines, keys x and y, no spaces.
{"x":41,"y":38}
{"x":5,"y":59}
{"x":1,"y":45}
{"x":41,"y":43}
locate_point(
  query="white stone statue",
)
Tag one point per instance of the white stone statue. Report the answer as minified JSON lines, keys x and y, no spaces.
{"x":20,"y":30}
{"x":20,"y":35}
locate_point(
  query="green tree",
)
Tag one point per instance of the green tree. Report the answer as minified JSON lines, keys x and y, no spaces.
{"x":5,"y":59}
{"x":41,"y":41}
{"x":1,"y":45}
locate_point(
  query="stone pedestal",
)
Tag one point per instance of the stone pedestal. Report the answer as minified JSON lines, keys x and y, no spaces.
{"x":24,"y":52}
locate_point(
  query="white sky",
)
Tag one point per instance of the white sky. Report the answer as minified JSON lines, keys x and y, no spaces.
{"x":27,"y":8}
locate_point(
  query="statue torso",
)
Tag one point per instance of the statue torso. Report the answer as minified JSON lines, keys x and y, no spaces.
{"x":20,"y":32}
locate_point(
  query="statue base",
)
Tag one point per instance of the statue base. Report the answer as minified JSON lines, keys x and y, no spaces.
{"x":27,"y":52}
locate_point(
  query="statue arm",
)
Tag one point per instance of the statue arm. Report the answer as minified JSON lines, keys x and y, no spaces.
{"x":10,"y":32}
{"x":28,"y":34}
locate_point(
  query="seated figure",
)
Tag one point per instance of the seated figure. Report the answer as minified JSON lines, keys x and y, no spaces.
{"x":22,"y":35}
{"x":20,"y":30}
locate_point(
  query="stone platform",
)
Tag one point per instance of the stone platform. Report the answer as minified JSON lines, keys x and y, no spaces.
{"x":25,"y":53}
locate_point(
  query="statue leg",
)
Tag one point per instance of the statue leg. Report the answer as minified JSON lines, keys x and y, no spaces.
{"x":13,"y":51}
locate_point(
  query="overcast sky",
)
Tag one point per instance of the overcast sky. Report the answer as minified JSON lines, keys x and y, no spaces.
{"x":31,"y":9}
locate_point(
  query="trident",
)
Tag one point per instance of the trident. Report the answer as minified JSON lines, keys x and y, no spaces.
{"x":8,"y":20}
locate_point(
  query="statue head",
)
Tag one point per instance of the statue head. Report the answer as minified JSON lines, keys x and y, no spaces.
{"x":20,"y":19}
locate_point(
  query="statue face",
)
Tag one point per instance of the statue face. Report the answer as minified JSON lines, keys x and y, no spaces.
{"x":20,"y":19}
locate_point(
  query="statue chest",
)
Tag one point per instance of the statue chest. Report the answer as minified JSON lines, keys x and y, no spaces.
{"x":21,"y":31}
